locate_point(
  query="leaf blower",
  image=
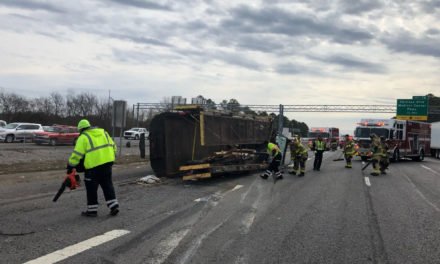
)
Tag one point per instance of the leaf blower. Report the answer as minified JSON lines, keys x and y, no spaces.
{"x":72,"y":181}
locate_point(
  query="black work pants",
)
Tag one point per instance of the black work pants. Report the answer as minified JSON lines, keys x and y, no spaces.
{"x":275,"y":164}
{"x":100,"y":176}
{"x":318,"y":159}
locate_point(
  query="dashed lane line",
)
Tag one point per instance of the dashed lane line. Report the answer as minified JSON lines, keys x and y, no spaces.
{"x":421,"y":195}
{"x":367,"y":181}
{"x":205,"y":199}
{"x":431,"y":170}
{"x":73,"y":250}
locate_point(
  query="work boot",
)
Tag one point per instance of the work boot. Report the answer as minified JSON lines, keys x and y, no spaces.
{"x":264,"y":176}
{"x":114,"y":211}
{"x":89,"y":214}
{"x":292,"y":172}
{"x":301,"y":174}
{"x":374,"y":174}
{"x":280,"y":177}
{"x":383,"y":172}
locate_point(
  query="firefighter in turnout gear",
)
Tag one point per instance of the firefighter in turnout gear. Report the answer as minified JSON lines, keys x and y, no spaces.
{"x":348,"y":151}
{"x":95,"y":150}
{"x":275,"y":155}
{"x":299,"y":156}
{"x":376,"y":156}
{"x":384,"y":160}
{"x":319,"y":148}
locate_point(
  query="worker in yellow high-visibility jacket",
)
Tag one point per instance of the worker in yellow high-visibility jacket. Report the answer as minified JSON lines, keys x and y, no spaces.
{"x":275,"y":153}
{"x":96,"y":151}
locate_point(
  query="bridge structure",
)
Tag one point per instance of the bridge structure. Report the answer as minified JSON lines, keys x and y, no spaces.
{"x":280,"y":109}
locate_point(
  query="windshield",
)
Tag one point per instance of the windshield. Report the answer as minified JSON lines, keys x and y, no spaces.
{"x":365,"y":132}
{"x":134,"y":129}
{"x":317,"y":134}
{"x":52,"y":129}
{"x":11,"y":126}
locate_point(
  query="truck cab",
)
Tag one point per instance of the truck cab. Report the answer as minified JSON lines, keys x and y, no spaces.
{"x":405,"y":138}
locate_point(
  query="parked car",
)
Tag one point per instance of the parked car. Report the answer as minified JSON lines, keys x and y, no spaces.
{"x":2,"y":123}
{"x":57,"y":135}
{"x":135,"y":133}
{"x":19,"y":132}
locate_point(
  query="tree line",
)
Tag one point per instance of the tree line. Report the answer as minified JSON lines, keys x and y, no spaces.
{"x":68,"y":110}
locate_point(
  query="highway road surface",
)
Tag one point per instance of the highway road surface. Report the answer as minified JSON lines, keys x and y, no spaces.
{"x":336,"y":215}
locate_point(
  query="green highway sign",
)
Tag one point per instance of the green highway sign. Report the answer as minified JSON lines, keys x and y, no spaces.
{"x":413,"y":109}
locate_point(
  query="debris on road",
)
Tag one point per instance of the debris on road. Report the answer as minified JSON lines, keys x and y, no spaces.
{"x":150,"y":179}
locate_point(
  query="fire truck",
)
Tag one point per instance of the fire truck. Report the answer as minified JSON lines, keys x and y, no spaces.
{"x":405,"y":138}
{"x":329,"y":134}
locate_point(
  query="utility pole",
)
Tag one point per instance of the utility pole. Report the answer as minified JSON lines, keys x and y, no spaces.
{"x":281,"y":120}
{"x":137,"y":115}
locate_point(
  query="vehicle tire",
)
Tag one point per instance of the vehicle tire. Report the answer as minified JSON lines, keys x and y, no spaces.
{"x":53,"y":142}
{"x":421,"y":156}
{"x":396,"y":155}
{"x":136,"y":137}
{"x":9,"y":139}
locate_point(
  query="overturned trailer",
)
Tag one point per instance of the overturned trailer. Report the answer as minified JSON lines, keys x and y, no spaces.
{"x":197,"y":143}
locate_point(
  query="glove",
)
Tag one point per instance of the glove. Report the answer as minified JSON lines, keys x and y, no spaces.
{"x":69,"y":169}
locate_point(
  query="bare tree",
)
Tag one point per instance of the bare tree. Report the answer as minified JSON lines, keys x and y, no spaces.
{"x":58,"y":103}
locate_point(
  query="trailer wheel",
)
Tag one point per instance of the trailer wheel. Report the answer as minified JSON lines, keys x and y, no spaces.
{"x":421,"y":156}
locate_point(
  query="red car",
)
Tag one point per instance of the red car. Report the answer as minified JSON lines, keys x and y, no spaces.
{"x":57,"y":135}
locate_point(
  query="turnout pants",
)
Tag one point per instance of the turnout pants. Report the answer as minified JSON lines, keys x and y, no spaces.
{"x":348,"y":158}
{"x":318,"y":159}
{"x":100,"y":176}
{"x":299,"y":165}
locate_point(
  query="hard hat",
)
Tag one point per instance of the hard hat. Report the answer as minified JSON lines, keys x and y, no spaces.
{"x":84,"y":123}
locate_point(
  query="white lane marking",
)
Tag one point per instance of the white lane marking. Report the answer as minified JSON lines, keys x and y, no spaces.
{"x":431,"y":170}
{"x":237,"y":187}
{"x":367,"y":181}
{"x":166,"y":247}
{"x":78,"y":248}
{"x":248,"y":220}
{"x":421,"y":195}
{"x":217,"y":195}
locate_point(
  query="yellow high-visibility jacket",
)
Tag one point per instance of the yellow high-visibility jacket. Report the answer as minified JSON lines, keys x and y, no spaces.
{"x":273,"y":149}
{"x":95,"y":146}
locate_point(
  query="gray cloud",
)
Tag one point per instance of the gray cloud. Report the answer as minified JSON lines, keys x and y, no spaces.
{"x":294,"y":69}
{"x":138,"y":39}
{"x":245,"y":19}
{"x":349,"y":62}
{"x":359,"y":6}
{"x":408,"y":43}
{"x":32,"y":5}
{"x":142,"y":4}
{"x":430,"y":6}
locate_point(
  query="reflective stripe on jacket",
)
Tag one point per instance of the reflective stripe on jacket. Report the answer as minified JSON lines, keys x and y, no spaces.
{"x":95,"y":146}
{"x":319,"y":145}
{"x":349,"y":148}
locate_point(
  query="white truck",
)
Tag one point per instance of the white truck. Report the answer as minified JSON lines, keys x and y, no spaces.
{"x":435,"y":140}
{"x":135,"y":133}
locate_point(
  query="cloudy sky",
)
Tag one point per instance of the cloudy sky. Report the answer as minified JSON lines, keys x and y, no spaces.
{"x":259,"y":52}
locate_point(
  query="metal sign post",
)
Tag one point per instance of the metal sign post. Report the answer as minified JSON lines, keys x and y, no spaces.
{"x":119,"y":119}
